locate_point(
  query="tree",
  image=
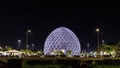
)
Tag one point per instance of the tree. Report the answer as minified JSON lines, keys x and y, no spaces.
{"x":118,"y":49}
{"x":69,"y":52}
{"x":8,"y":48}
{"x":59,"y":52}
{"x":39,"y":52}
{"x":107,"y":48}
{"x":28,"y":51}
{"x":1,"y":49}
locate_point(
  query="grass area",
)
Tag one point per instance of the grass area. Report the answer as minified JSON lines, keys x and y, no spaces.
{"x":48,"y":66}
{"x":59,"y":66}
{"x":41,"y":66}
{"x":107,"y":66}
{"x":63,"y":62}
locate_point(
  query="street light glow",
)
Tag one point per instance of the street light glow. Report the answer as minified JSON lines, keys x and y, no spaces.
{"x":32,"y":44}
{"x":97,"y":29}
{"x":29,"y":30}
{"x":19,"y":40}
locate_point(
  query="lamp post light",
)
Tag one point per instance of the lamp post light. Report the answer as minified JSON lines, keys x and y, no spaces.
{"x":27,"y":32}
{"x":19,"y":41}
{"x":98,"y":30}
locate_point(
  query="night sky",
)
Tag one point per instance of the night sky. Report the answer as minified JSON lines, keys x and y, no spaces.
{"x":43,"y":17}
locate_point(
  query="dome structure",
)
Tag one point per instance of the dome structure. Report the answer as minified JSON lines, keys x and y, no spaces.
{"x":62,"y":38}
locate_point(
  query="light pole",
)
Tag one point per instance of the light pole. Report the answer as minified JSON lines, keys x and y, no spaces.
{"x":84,"y":51}
{"x":27,"y":32}
{"x":103,"y":42}
{"x":88,"y":46}
{"x":98,"y":30}
{"x":19,"y":41}
{"x":6,"y":47}
{"x":32,"y":46}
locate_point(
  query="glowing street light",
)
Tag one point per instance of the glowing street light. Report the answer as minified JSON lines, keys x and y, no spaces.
{"x":98,"y":30}
{"x":19,"y":41}
{"x":27,"y":32}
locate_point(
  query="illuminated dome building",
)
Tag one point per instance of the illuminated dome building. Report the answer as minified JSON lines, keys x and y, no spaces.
{"x":62,"y":39}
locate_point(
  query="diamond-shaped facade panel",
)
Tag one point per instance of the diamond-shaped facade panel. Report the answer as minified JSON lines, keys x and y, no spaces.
{"x":62,"y":38}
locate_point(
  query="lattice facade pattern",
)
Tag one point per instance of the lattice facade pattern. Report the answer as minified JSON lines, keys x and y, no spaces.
{"x":62,"y":38}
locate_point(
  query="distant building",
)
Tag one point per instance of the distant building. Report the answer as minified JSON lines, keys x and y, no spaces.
{"x":62,"y":39}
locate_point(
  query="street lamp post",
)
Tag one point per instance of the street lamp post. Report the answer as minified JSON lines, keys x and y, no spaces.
{"x":6,"y":47}
{"x":19,"y":41}
{"x":27,"y":32}
{"x":98,"y":30}
{"x":32,"y":46}
{"x":84,"y":51}
{"x":88,"y":47}
{"x":103,"y":42}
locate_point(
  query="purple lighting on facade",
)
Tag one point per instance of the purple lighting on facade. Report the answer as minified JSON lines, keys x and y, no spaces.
{"x":62,"y":38}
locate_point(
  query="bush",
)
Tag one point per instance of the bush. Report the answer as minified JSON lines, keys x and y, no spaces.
{"x":12,"y":63}
{"x":3,"y":64}
{"x":40,"y":62}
